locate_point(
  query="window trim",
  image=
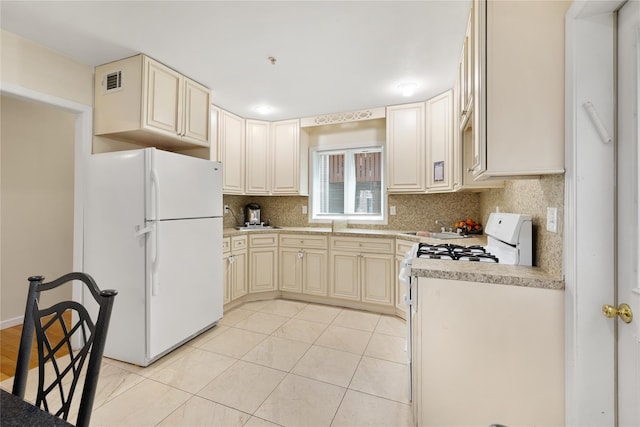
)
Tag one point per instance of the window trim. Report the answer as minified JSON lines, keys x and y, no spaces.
{"x":377,"y":219}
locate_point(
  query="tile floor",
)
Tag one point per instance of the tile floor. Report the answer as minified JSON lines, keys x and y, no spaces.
{"x":267,"y":363}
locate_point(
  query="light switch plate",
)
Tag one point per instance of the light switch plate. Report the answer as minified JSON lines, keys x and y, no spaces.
{"x":392,"y":210}
{"x":552,"y":220}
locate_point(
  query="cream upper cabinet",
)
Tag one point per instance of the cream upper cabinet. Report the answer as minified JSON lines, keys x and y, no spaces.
{"x":257,"y":168}
{"x":463,"y":149}
{"x":263,"y":264}
{"x":289,"y":159}
{"x":362,"y":269}
{"x":140,"y":100}
{"x":406,"y":148}
{"x":303,"y":264}
{"x":231,"y":146}
{"x":439,"y":142}
{"x":519,"y":88}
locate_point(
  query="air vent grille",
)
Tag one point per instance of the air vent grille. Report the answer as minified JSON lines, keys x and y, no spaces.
{"x":113,"y":81}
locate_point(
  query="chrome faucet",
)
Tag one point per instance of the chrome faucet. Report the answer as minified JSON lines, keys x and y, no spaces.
{"x":442,"y":225}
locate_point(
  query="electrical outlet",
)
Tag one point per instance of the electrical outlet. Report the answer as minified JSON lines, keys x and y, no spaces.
{"x":304,"y":210}
{"x":392,"y":210}
{"x":226,"y":209}
{"x":552,"y":220}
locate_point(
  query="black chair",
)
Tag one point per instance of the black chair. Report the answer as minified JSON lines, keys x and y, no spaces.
{"x":68,"y":368}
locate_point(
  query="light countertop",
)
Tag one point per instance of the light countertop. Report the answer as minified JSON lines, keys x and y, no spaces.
{"x":483,"y":272}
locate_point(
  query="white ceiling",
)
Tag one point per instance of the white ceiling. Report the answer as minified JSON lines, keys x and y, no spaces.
{"x":332,"y":56}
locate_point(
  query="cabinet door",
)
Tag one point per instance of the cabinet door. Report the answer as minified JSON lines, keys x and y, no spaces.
{"x":405,"y":148}
{"x":231,"y":138}
{"x":197,"y":105}
{"x":263,"y":270}
{"x":345,"y":275}
{"x":377,"y":278}
{"x":257,"y":158}
{"x":439,"y":129}
{"x":239,"y":278}
{"x":314,"y":272}
{"x":290,"y":269}
{"x":515,"y":69}
{"x":285,"y":140}
{"x":163,"y":98}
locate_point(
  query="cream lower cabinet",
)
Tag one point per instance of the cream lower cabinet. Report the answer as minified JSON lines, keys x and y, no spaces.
{"x":497,"y":351}
{"x":234,"y":267}
{"x":362,"y":269}
{"x":303,"y":264}
{"x":263,"y":262}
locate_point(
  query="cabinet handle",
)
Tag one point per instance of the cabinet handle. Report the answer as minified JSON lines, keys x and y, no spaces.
{"x":471,"y":169}
{"x":300,"y":254}
{"x":231,"y":260}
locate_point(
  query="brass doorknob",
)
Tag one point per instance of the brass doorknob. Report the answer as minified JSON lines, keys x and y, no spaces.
{"x":623,"y":311}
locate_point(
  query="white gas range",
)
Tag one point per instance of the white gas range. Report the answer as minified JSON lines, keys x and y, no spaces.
{"x":509,"y":241}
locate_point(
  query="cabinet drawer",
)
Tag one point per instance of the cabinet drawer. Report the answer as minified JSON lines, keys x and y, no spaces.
{"x":403,"y":246}
{"x":263,"y":240}
{"x":363,"y":245}
{"x":226,"y":244}
{"x":238,"y":242}
{"x":303,"y":241}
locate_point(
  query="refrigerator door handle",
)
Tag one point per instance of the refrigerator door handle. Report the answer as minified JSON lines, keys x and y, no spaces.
{"x":155,"y":183}
{"x":141,"y":231}
{"x":155,"y":260}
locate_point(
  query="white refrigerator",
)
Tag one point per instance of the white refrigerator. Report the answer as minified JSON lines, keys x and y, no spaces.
{"x":153,"y":232}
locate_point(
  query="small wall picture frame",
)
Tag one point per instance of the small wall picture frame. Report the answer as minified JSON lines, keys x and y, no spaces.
{"x":438,"y":171}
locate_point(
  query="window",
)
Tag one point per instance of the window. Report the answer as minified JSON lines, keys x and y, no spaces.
{"x":348,"y":184}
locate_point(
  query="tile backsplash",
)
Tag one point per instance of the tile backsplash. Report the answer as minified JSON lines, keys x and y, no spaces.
{"x":413,"y":212}
{"x":532,"y":197}
{"x":420,"y":212}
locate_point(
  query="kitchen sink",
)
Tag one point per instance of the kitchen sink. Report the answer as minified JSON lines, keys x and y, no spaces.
{"x":441,"y":235}
{"x":446,"y":235}
{"x":256,"y":227}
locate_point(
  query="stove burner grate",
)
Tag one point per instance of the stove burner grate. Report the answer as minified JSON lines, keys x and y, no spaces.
{"x":455,"y":252}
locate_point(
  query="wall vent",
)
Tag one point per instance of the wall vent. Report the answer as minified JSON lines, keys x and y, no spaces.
{"x":113,"y":81}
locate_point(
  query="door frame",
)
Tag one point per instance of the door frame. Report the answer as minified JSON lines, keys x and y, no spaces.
{"x":82,"y":149}
{"x":589,"y":214}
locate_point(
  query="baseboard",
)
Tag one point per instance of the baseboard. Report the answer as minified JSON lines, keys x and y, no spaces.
{"x":9,"y":323}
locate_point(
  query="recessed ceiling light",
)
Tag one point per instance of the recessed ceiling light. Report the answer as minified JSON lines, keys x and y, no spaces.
{"x":407,"y":89}
{"x":263,"y":109}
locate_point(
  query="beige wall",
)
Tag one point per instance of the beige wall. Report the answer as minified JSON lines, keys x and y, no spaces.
{"x":36,"y":199}
{"x":30,"y":65}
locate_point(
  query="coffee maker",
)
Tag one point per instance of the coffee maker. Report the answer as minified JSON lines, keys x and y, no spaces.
{"x":252,"y":214}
